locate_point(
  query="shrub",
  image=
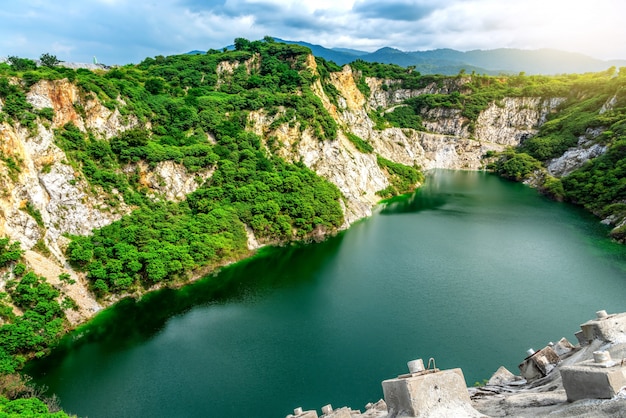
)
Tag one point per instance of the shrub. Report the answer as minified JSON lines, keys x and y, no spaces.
{"x":360,"y":144}
{"x":515,"y":166}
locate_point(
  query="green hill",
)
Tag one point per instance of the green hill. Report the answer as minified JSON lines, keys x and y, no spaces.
{"x":199,"y":112}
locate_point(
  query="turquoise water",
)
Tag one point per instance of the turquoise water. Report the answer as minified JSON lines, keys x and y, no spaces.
{"x":471,"y":270}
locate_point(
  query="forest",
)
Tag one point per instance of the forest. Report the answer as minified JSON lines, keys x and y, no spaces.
{"x":37,"y":325}
{"x":191,"y":111}
{"x":583,"y":118}
{"x":190,"y":115}
{"x":185,"y":105}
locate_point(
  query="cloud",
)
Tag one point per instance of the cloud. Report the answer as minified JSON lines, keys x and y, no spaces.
{"x":123,"y":31}
{"x":394,"y":10}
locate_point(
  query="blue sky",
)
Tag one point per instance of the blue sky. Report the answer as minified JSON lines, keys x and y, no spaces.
{"x":127,"y":31}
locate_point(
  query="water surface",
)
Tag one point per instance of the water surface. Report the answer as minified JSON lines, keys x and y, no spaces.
{"x":471,"y":270}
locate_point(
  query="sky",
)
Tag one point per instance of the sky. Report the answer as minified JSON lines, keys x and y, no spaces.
{"x":127,"y":31}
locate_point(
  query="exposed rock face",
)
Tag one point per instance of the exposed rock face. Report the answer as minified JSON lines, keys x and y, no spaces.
{"x":609,"y":105}
{"x":169,"y":180}
{"x":45,"y":182}
{"x":357,"y":175}
{"x":225,"y":69}
{"x":444,"y":121}
{"x":576,"y":157}
{"x":66,"y":101}
{"x":447,"y":144}
{"x":513,"y":120}
{"x":46,"y":197}
{"x":385,"y":97}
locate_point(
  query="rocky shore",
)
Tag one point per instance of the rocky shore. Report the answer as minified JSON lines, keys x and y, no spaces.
{"x":561,"y":380}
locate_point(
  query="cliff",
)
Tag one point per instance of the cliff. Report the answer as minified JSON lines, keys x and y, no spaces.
{"x":128,"y":180}
{"x":47,"y":197}
{"x":447,"y":143}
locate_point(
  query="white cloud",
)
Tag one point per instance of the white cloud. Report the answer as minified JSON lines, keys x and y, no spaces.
{"x":122,"y":31}
{"x":61,"y":49}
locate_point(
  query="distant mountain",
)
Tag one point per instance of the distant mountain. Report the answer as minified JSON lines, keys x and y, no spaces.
{"x":355,"y":52}
{"x":494,"y":61}
{"x":450,"y":61}
{"x":540,"y":61}
{"x":340,"y":56}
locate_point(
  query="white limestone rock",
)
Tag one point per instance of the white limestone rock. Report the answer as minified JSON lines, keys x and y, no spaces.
{"x":169,"y":180}
{"x":576,"y":157}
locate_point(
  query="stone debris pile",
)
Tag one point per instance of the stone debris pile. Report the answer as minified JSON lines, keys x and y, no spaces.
{"x":560,"y":380}
{"x":372,"y":410}
{"x":423,"y":392}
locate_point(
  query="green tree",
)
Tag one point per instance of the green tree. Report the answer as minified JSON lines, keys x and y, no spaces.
{"x":9,"y":251}
{"x":515,"y":166}
{"x":66,"y":278}
{"x":242,"y":44}
{"x":21,"y":64}
{"x":48,"y":60}
{"x":155,"y":85}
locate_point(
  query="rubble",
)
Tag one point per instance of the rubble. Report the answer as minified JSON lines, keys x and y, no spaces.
{"x":560,"y":380}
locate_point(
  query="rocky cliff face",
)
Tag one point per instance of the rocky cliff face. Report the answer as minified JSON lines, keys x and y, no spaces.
{"x":512,"y":120}
{"x":448,"y":144}
{"x":169,"y":180}
{"x":574,"y":158}
{"x":45,"y":197}
{"x":387,"y":93}
{"x":357,"y":175}
{"x":586,"y":149}
{"x":42,"y":181}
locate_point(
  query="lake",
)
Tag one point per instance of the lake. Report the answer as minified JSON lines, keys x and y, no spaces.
{"x":471,"y":270}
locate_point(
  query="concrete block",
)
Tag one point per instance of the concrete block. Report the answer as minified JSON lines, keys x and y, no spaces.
{"x":340,"y":413}
{"x":299,"y":413}
{"x":501,"y":377}
{"x":420,"y":394}
{"x":605,"y":327}
{"x":581,"y":338}
{"x":539,"y":364}
{"x":378,"y":406}
{"x":563,"y":347}
{"x":588,"y":380}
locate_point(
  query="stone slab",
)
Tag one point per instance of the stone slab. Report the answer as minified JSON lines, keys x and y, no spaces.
{"x":586,"y":381}
{"x":422,"y":395}
{"x":304,"y":414}
{"x":539,"y":364}
{"x":607,"y":329}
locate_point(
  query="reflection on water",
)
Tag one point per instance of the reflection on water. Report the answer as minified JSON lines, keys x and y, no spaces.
{"x":131,"y":322}
{"x":471,"y":270}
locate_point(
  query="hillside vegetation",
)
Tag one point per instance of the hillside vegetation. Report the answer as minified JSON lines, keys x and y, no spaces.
{"x":195,"y":111}
{"x":197,"y":118}
{"x":192,"y":110}
{"x":37,"y":325}
{"x":594,"y":113}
